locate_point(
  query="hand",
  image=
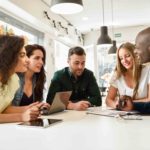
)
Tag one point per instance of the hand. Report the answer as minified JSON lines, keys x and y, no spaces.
{"x":37,"y":104}
{"x":81,"y":105}
{"x":44,"y":110}
{"x":31,"y":113}
{"x":125,"y":103}
{"x":45,"y":105}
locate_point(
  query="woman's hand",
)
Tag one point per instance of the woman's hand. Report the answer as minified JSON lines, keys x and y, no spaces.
{"x":45,"y":105}
{"x":125,"y":103}
{"x":32,"y":113}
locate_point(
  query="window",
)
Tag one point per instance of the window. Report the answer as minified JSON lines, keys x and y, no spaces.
{"x":106,"y":64}
{"x":61,"y":55}
{"x":89,"y":57}
{"x":19,"y":28}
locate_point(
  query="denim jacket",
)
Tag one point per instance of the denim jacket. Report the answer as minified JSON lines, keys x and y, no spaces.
{"x":18,"y":95}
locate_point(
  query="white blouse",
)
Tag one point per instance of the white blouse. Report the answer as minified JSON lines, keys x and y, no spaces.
{"x":8,"y":91}
{"x":123,"y":89}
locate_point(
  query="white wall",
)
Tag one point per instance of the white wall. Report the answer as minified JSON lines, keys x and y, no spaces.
{"x":36,"y":9}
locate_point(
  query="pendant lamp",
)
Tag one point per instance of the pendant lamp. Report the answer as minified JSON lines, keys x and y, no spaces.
{"x":66,"y":6}
{"x":104,"y":38}
{"x":113,"y":48}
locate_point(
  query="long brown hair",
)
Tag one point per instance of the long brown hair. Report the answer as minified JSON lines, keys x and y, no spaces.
{"x":137,"y":67}
{"x":40,"y":76}
{"x":10,"y":46}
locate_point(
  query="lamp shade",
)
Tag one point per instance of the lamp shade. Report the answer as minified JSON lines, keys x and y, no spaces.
{"x":66,"y":6}
{"x":113,"y":48}
{"x":104,"y":38}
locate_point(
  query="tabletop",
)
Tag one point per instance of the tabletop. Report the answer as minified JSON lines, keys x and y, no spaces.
{"x":78,"y":131}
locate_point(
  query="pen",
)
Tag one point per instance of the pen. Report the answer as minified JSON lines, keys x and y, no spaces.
{"x":99,"y":114}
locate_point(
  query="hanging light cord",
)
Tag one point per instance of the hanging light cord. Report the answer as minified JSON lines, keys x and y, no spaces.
{"x":112,"y":17}
{"x":103,"y":12}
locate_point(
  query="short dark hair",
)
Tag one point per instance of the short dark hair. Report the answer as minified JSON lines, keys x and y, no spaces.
{"x":10,"y":46}
{"x":76,"y":50}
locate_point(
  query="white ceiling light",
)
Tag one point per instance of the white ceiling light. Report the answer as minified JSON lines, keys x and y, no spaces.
{"x":66,"y":6}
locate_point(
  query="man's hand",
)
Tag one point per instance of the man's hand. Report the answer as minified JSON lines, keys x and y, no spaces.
{"x":81,"y":105}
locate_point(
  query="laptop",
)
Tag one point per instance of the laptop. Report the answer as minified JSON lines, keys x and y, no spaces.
{"x":60,"y":101}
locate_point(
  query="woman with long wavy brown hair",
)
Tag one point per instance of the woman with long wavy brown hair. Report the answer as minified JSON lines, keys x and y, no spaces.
{"x":33,"y":80}
{"x":13,"y":59}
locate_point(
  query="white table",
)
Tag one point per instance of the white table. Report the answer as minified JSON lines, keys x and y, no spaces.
{"x":79,"y":131}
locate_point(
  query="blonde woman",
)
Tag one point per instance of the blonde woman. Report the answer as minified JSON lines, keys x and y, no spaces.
{"x":130,"y":78}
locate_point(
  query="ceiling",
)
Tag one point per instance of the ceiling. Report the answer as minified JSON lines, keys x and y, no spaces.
{"x":123,"y":13}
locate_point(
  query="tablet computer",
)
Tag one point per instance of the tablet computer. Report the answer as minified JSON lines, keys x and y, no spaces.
{"x":43,"y":123}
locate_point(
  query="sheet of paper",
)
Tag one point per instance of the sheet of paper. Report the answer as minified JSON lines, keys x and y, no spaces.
{"x":110,"y":112}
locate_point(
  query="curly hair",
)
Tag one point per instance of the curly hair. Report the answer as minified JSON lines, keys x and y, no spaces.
{"x":10,"y":46}
{"x":40,"y":76}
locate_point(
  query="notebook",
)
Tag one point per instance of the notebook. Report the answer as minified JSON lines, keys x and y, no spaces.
{"x":60,"y":101}
{"x":111,"y":112}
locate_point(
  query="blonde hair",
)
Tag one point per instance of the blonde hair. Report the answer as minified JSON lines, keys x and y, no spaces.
{"x":137,"y":67}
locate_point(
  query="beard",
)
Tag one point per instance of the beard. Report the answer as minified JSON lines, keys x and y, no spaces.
{"x":77,"y":72}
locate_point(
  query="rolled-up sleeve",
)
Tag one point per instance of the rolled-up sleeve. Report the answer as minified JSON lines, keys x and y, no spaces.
{"x":142,"y":107}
